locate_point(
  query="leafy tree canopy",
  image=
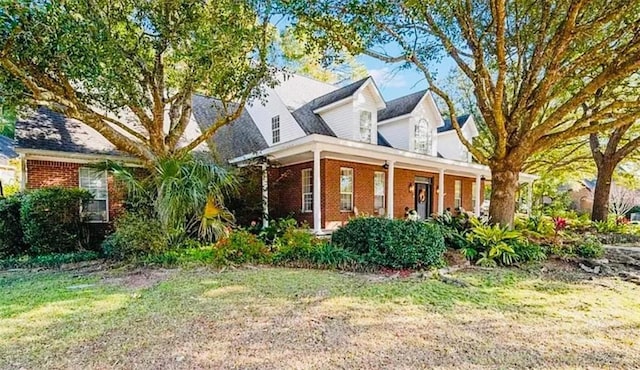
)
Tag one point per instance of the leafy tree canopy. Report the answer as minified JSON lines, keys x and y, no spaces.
{"x":89,"y":59}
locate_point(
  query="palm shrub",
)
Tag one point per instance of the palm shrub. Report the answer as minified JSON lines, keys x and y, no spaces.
{"x":186,"y":194}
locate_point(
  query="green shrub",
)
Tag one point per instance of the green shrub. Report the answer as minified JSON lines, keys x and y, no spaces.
{"x":276,"y":229}
{"x":11,"y":237}
{"x":135,"y":235}
{"x":48,"y":260}
{"x":454,"y":228}
{"x":494,"y":244}
{"x":51,"y":220}
{"x":589,"y":247}
{"x":241,"y":247}
{"x":392,"y":243}
{"x":294,"y":245}
{"x":529,"y":252}
{"x":327,"y":255}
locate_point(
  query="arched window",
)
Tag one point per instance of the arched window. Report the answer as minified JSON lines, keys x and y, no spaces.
{"x":423,"y":138}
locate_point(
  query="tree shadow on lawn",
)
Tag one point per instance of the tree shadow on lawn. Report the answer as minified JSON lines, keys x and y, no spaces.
{"x":285,"y":318}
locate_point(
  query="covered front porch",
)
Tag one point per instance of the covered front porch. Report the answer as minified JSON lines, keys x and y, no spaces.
{"x":348,"y":176}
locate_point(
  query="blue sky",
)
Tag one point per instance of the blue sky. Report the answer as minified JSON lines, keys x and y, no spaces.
{"x":395,"y":83}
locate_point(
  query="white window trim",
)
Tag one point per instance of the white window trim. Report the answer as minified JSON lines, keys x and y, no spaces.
{"x":369,"y":128}
{"x":302,"y":174}
{"x":384,"y":189}
{"x":274,"y":130}
{"x":352,"y":188}
{"x":106,"y":174}
{"x":457,"y":194}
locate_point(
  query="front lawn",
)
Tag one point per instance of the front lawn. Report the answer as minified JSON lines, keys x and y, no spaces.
{"x":286,"y":318}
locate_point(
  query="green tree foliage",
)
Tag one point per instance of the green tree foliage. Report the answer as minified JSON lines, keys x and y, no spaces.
{"x":7,"y":121}
{"x":301,"y":55}
{"x":532,"y":64}
{"x":93,"y":60}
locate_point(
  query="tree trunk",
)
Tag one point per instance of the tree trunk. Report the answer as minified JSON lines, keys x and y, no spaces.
{"x":602,"y":191}
{"x":504,"y":186}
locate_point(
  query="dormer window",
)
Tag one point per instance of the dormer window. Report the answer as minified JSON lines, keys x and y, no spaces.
{"x":423,"y":140}
{"x":365,"y":126}
{"x":275,"y":129}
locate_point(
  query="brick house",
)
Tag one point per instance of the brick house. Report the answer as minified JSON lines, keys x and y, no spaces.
{"x":326,"y":153}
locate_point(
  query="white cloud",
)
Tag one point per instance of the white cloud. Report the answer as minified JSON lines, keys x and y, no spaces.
{"x":386,"y":77}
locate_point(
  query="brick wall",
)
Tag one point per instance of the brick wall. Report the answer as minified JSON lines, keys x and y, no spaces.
{"x":285,"y":191}
{"x":49,"y":173}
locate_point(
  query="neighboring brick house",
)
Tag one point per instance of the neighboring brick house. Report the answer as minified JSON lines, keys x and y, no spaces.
{"x":363,"y":155}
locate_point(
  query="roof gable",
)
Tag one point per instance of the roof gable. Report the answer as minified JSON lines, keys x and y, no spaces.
{"x":337,"y":95}
{"x":448,"y":126}
{"x":401,"y":106}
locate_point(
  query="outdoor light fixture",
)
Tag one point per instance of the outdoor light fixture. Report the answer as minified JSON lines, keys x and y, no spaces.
{"x":385,"y":165}
{"x":411,"y":188}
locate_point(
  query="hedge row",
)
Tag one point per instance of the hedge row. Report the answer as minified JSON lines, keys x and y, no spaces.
{"x":42,"y":221}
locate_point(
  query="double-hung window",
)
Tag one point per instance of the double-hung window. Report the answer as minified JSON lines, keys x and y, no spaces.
{"x":346,"y":189}
{"x":365,"y":126}
{"x":422,"y":137}
{"x":95,"y":182}
{"x":473,"y":193}
{"x":307,"y":190}
{"x":275,"y":129}
{"x":457,"y":194}
{"x":378,"y":190}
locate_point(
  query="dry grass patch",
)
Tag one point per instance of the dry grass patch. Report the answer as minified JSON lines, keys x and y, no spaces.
{"x":285,"y":318}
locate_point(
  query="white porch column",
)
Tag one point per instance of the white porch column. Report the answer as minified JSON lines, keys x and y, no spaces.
{"x":390,"y":188}
{"x":441,"y":192}
{"x":317,"y":212}
{"x":265,"y":196}
{"x":478,"y":200}
{"x":529,"y":198}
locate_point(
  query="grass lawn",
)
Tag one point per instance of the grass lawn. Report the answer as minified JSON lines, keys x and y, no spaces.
{"x":284,"y":318}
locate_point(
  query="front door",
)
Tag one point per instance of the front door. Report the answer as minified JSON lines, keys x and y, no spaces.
{"x":423,"y":199}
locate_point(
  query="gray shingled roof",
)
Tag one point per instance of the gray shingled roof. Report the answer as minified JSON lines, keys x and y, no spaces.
{"x":448,"y":126}
{"x":238,"y":138}
{"x":45,"y":129}
{"x":312,"y":123}
{"x":400,"y":106}
{"x":337,"y":95}
{"x":7,"y":151}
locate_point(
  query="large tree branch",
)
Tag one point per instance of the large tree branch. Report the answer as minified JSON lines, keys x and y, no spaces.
{"x":549,"y":140}
{"x":611,"y":73}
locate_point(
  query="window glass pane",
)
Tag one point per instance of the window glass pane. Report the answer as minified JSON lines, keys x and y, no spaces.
{"x":307,"y":190}
{"x":94,"y":210}
{"x":458,"y":193}
{"x":346,"y":189}
{"x":275,"y":129}
{"x":422,"y":137}
{"x":346,"y":180}
{"x":365,"y":126}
